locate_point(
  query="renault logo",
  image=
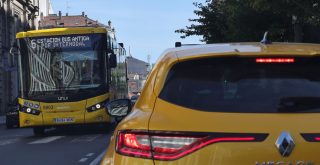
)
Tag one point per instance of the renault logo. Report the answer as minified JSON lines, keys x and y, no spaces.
{"x":285,"y":144}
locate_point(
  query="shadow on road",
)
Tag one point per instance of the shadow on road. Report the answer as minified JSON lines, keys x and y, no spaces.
{"x":78,"y":130}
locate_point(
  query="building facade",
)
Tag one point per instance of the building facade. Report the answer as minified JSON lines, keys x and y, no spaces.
{"x":15,"y":16}
{"x":59,"y":20}
{"x":137,"y":74}
{"x":45,"y":9}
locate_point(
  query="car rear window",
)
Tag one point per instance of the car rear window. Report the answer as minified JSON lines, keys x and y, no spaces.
{"x":245,"y":85}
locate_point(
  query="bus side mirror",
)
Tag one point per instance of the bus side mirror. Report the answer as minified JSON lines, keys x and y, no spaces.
{"x":113,"y":60}
{"x":119,"y":108}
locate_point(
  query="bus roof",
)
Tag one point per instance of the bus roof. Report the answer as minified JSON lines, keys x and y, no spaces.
{"x":60,"y":31}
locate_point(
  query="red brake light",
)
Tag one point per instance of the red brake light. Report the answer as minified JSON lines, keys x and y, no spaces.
{"x":317,"y":138}
{"x":168,"y":147}
{"x":275,"y":60}
{"x":132,"y":141}
{"x":134,"y":145}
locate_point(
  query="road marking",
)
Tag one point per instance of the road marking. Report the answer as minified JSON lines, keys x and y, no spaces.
{"x":83,"y":160}
{"x":51,"y":129}
{"x":98,"y":159}
{"x":46,"y":140}
{"x":7,"y":142}
{"x":90,"y":154}
{"x":86,"y":138}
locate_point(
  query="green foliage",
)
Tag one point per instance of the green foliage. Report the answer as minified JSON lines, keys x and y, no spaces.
{"x":247,"y":20}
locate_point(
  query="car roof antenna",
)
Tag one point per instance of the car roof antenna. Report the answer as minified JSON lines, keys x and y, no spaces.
{"x":265,"y":39}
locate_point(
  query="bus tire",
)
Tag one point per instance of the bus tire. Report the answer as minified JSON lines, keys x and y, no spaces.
{"x":38,"y":131}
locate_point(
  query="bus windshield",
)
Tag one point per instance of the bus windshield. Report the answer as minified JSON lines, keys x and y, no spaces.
{"x":63,"y":63}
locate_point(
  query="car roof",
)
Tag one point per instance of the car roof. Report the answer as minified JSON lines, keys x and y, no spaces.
{"x":242,"y":49}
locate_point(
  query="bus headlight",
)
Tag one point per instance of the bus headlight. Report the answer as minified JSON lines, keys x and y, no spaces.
{"x":29,"y":110}
{"x":96,"y":107}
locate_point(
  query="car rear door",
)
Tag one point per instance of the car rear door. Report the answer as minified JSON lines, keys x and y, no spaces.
{"x":239,"y":111}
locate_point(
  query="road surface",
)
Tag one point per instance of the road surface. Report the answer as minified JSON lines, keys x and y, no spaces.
{"x":64,"y":146}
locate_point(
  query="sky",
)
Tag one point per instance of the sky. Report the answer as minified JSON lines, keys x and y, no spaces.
{"x":146,"y":27}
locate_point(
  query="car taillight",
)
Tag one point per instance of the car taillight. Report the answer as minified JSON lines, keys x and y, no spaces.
{"x":275,"y":60}
{"x":317,"y":138}
{"x":133,"y":145}
{"x":169,"y":147}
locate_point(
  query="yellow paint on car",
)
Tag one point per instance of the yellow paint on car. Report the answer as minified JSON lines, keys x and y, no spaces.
{"x":152,"y":113}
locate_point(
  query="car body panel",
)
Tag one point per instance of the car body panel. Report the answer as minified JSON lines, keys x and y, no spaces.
{"x":180,"y":119}
{"x":165,"y":112}
{"x":162,"y":67}
{"x":246,"y":49}
{"x":137,"y":119}
{"x":111,"y":157}
{"x":154,"y":114}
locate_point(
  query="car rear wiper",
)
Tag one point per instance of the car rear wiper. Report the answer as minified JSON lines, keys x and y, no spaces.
{"x":296,"y":104}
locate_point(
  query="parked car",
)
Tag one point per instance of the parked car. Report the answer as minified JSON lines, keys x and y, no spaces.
{"x":12,"y":115}
{"x":224,"y":104}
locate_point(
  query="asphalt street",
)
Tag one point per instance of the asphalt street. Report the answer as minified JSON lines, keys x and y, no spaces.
{"x":64,"y":146}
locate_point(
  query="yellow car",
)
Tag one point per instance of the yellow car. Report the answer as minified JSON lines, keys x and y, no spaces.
{"x":224,"y":104}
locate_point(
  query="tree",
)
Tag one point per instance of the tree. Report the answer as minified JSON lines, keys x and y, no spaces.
{"x":211,"y":23}
{"x":247,"y":20}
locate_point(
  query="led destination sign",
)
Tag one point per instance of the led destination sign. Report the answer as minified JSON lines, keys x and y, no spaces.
{"x":64,"y":42}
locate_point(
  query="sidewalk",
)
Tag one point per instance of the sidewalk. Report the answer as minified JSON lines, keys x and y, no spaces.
{"x":2,"y":119}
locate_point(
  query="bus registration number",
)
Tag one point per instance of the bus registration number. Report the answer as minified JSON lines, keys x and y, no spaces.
{"x":63,"y":120}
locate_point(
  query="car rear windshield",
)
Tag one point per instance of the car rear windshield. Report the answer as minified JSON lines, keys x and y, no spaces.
{"x":245,"y":85}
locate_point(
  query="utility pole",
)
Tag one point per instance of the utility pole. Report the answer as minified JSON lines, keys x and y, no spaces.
{"x":149,"y":58}
{"x":297,"y":27}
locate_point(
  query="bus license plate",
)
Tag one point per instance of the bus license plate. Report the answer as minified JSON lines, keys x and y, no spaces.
{"x":63,"y":120}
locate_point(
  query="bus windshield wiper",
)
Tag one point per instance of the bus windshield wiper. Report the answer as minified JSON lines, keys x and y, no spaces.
{"x":298,"y":104}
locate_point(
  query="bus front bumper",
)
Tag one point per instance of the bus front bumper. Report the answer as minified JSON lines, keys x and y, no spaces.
{"x":57,"y":119}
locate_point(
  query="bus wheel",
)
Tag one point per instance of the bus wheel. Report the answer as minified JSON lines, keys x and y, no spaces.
{"x":38,"y":131}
